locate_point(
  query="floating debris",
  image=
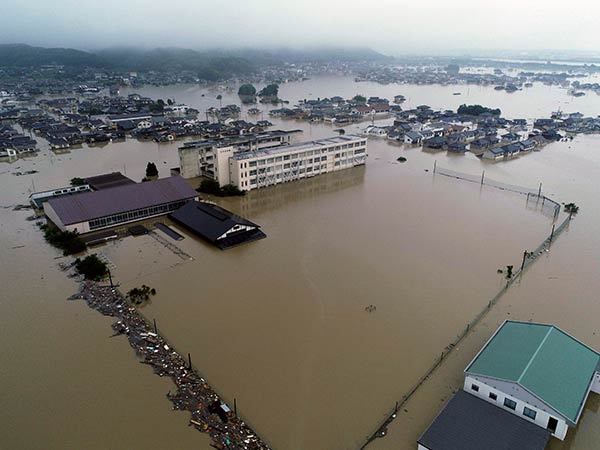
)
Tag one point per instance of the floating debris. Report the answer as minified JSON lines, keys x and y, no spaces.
{"x":209,"y":413}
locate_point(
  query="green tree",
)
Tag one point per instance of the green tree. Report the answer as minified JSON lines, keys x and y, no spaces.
{"x":247,"y":89}
{"x":571,"y":208}
{"x":360,"y":98}
{"x":151,"y":170}
{"x":91,"y":267}
{"x":271,"y":90}
{"x":220,"y":98}
{"x":68,"y":241}
{"x":477,"y":110}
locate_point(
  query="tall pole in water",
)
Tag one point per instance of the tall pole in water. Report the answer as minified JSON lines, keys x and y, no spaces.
{"x":552,"y":234}
{"x":434,"y":165}
{"x":109,"y":277}
{"x":540,"y":190}
{"x":482,"y":176}
{"x":523,"y":263}
{"x":235,"y":406}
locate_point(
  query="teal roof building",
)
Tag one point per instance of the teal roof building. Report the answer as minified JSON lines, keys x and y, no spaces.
{"x":536,"y":371}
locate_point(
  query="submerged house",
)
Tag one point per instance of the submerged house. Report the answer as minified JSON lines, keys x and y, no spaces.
{"x":537,"y":372}
{"x":217,"y":225}
{"x":118,"y":205}
{"x":530,"y":381}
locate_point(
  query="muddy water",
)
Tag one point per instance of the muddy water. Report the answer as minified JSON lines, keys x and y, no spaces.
{"x":280,"y":324}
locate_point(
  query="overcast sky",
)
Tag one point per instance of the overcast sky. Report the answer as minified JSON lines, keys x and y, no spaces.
{"x":390,"y":26}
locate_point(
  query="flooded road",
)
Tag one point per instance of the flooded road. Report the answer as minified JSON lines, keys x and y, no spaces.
{"x":280,"y":324}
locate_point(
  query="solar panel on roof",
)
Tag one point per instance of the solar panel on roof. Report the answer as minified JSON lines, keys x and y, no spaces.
{"x":213,"y":212}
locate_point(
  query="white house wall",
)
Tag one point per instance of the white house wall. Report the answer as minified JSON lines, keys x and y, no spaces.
{"x":596,"y":383}
{"x":517,"y":391}
{"x":541,"y":418}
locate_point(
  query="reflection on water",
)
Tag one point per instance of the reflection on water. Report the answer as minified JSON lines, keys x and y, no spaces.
{"x":257,"y":202}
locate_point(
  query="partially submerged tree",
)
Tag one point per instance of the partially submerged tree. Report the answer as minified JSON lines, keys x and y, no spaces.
{"x":247,"y":89}
{"x":68,"y":241}
{"x":91,"y":267}
{"x":77,"y":181}
{"x":151,"y":170}
{"x":571,"y":208}
{"x":140,"y":295}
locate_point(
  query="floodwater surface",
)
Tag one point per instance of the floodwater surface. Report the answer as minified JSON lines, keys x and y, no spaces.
{"x":280,"y":324}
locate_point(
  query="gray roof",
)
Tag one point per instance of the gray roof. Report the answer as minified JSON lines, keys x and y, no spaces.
{"x":208,"y":220}
{"x":470,"y":423}
{"x":211,"y":221}
{"x":106,"y":202}
{"x":108,"y":180}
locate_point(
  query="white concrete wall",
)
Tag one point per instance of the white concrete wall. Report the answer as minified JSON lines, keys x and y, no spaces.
{"x":188,"y":162}
{"x":235,"y":229}
{"x":541,"y":418}
{"x":596,"y":383}
{"x":222,"y":174}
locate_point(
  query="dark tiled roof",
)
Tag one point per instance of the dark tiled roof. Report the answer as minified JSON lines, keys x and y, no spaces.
{"x":106,"y":202}
{"x":211,"y":221}
{"x":108,"y":180}
{"x":470,"y":423}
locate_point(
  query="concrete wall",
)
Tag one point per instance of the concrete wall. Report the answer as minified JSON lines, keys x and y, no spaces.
{"x":541,"y":418}
{"x":222,"y":172}
{"x":188,"y":162}
{"x":596,"y":383}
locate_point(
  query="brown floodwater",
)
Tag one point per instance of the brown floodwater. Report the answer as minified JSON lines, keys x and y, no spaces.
{"x":280,"y":324}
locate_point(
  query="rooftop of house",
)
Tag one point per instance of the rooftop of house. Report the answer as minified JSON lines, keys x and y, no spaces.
{"x":470,"y":423}
{"x":211,"y":222}
{"x":299,"y":147}
{"x":116,"y":200}
{"x":544,"y":360}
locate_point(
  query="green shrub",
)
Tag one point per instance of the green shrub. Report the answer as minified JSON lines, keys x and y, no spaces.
{"x":68,"y":241}
{"x":91,"y":267}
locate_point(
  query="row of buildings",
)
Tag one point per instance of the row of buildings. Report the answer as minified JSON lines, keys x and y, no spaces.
{"x":110,"y":201}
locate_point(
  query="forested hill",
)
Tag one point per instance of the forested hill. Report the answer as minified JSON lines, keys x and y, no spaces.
{"x":209,"y":64}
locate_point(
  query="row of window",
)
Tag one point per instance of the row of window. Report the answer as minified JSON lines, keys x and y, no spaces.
{"x":508,"y":403}
{"x":134,"y":215}
{"x":286,"y":166}
{"x":262,"y":162}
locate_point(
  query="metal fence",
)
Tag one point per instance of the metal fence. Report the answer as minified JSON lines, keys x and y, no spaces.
{"x":528,"y":259}
{"x":535,"y":198}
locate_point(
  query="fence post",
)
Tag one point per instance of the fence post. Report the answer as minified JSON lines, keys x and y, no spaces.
{"x":523,"y":263}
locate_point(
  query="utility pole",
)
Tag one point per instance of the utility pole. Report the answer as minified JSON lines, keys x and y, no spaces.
{"x":540,"y":190}
{"x":552,"y":233}
{"x":482,"y":176}
{"x":110,"y":277}
{"x":434,"y":165}
{"x":524,"y":257}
